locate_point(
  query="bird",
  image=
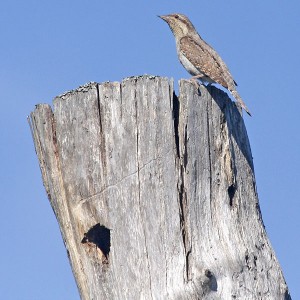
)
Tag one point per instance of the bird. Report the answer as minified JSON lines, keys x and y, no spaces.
{"x":199,"y":58}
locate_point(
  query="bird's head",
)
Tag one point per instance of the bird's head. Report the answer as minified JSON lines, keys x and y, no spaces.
{"x":179,"y":24}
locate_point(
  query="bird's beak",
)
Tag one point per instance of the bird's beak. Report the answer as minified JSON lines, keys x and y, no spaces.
{"x":165,"y":18}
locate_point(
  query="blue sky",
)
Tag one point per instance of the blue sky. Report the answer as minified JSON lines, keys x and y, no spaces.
{"x":49,"y":47}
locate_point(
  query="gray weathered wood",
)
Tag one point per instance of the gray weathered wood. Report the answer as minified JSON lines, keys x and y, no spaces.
{"x":155,"y":196}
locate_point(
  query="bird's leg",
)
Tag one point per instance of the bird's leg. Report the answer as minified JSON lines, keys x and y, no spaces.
{"x":204,"y":79}
{"x":200,"y":76}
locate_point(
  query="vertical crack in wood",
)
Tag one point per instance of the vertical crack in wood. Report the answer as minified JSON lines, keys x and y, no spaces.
{"x":182,"y":158}
{"x":121,"y":102}
{"x":183,"y":202}
{"x":176,"y":109}
{"x":209,"y":143}
{"x":55,"y":144}
{"x":229,"y":157}
{"x":182,"y":212}
{"x":102,"y":145}
{"x":99,"y":108}
{"x":139,"y":182}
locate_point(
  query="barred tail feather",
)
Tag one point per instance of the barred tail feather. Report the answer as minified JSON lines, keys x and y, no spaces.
{"x":240,"y":101}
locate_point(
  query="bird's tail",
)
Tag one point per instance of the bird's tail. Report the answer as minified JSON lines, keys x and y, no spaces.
{"x":238,"y":98}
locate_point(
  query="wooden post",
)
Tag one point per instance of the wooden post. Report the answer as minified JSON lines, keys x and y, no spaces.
{"x":155,"y":195}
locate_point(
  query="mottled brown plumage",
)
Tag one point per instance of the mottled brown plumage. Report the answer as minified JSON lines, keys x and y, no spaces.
{"x":199,"y":58}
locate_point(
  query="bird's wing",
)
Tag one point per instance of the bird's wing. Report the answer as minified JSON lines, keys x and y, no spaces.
{"x":206,"y":60}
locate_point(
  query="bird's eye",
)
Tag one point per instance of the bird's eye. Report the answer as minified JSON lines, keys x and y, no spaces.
{"x":176,"y":16}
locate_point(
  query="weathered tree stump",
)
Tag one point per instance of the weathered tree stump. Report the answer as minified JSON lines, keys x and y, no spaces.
{"x":155,"y":195}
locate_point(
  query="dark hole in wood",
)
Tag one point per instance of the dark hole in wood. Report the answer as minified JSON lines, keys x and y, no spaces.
{"x":208,"y":273}
{"x":231,"y":191}
{"x":247,"y":261}
{"x":100,"y":236}
{"x":212,"y":284}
